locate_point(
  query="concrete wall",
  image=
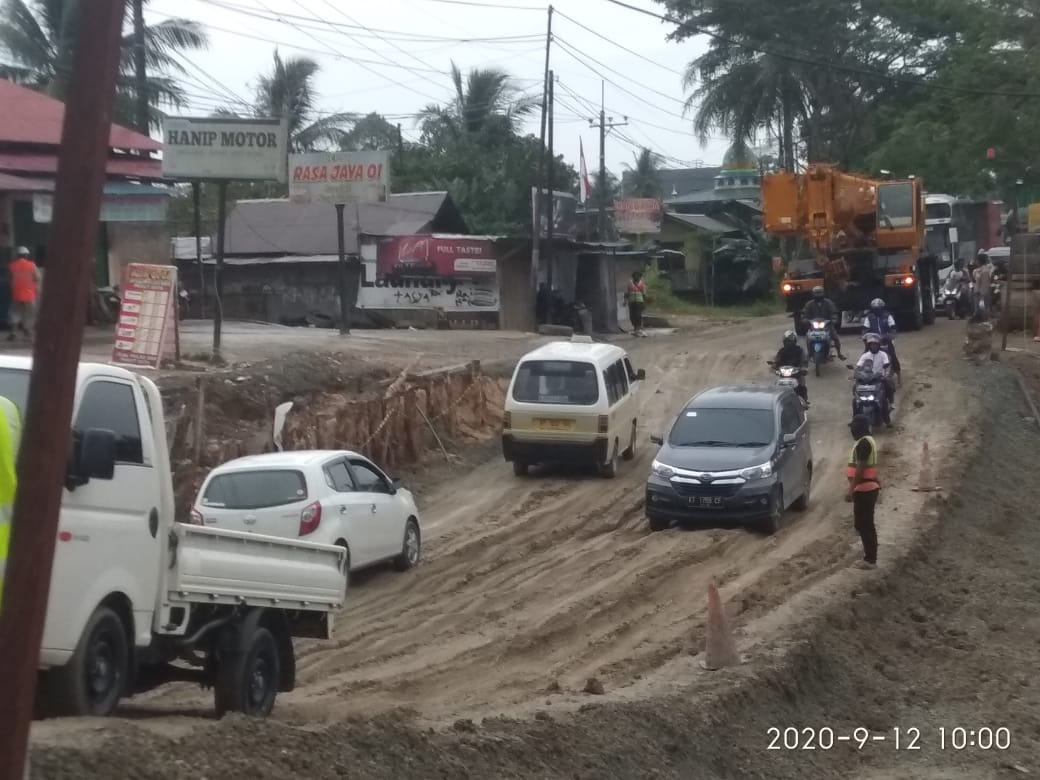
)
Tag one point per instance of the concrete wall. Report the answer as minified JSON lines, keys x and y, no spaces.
{"x":136,"y":242}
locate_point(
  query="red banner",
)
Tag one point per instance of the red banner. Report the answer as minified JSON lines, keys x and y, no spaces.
{"x":145,"y":332}
{"x":435,"y":256}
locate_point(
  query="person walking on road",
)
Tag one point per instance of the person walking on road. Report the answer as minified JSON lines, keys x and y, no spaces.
{"x":864,"y":488}
{"x":25,"y":284}
{"x":983,"y":278}
{"x":635,"y":295}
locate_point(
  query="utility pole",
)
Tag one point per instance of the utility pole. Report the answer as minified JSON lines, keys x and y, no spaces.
{"x":550,"y":211}
{"x":536,"y":202}
{"x":56,"y":353}
{"x":142,"y":108}
{"x":605,"y":123}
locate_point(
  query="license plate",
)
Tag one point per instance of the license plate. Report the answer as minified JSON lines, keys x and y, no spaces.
{"x":706,"y":502}
{"x":554,"y":425}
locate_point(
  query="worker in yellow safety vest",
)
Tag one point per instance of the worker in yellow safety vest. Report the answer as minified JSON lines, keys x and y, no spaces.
{"x":864,"y":487}
{"x":10,"y":439}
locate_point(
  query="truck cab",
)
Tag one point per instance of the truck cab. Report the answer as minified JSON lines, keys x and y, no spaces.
{"x":131,"y":590}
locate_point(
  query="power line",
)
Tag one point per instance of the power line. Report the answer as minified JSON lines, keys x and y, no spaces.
{"x":612,"y":41}
{"x":665,"y":95}
{"x":492,"y":6}
{"x":825,"y":64}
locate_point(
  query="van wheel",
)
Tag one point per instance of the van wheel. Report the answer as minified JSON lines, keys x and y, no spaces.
{"x":802,"y":503}
{"x":247,"y":681}
{"x":776,"y":512}
{"x":630,"y":452}
{"x":94,"y":679}
{"x":520,"y":468}
{"x":610,"y":469}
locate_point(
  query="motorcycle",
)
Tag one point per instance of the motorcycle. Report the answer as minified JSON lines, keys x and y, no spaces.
{"x":870,"y":396}
{"x":956,"y":299}
{"x":818,"y":343}
{"x":789,"y":376}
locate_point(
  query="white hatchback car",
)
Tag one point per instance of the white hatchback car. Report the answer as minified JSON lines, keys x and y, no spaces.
{"x":333,"y":497}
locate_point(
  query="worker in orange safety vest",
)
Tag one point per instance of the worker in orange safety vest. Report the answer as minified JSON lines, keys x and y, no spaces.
{"x":864,"y":487}
{"x":10,"y":439}
{"x":25,"y":283}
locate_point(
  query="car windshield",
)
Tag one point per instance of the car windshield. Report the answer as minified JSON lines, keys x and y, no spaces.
{"x":722,"y":428}
{"x":556,"y":382}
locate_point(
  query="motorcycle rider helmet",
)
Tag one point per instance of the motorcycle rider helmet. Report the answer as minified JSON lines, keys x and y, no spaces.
{"x":817,"y":292}
{"x":873,"y":342}
{"x":877,"y":304}
{"x":22,"y":251}
{"x":790,"y":337}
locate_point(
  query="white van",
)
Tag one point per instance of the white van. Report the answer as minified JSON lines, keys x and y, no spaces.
{"x":572,"y":402}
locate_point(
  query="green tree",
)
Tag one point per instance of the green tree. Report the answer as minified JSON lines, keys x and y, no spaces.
{"x":643,"y":179}
{"x":287,"y":92}
{"x":36,"y":39}
{"x":486,"y":103}
{"x":371,"y":132}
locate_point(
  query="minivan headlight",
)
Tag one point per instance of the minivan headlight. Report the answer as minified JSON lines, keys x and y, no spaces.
{"x":661,"y":470}
{"x":758,"y":472}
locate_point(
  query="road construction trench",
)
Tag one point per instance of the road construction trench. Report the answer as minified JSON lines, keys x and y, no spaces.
{"x":537,"y":585}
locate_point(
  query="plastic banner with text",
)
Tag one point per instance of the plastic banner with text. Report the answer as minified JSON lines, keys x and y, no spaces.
{"x":146,"y":330}
{"x":339,"y":178}
{"x":638,"y":216}
{"x":435,"y":256}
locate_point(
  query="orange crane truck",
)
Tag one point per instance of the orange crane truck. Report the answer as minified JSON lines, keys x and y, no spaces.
{"x":859,"y":238}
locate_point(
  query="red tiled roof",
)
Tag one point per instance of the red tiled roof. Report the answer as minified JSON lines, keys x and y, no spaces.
{"x":16,"y":184}
{"x":31,"y":117}
{"x":48,"y":163}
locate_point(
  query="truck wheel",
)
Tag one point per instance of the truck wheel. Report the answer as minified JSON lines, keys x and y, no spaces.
{"x":913,"y":318}
{"x":94,"y":679}
{"x":247,"y":681}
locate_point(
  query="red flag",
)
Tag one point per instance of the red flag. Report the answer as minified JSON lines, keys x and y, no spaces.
{"x":584,"y":187}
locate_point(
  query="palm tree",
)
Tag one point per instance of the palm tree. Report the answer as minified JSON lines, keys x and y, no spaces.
{"x":287,"y":92}
{"x":486,"y":104}
{"x":36,"y":38}
{"x":644,"y":179}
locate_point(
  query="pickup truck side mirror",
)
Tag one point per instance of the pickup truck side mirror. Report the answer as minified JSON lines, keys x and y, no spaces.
{"x":658,"y":440}
{"x":640,"y":374}
{"x":93,"y":457}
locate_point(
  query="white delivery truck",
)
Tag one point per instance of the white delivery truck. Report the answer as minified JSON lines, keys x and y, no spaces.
{"x":136,"y":599}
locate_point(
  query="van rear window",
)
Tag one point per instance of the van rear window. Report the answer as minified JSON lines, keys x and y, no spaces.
{"x":255,"y":489}
{"x":556,"y":382}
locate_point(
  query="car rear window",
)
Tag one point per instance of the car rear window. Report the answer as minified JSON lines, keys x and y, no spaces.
{"x":723,"y":428}
{"x":255,"y":489}
{"x":556,"y":382}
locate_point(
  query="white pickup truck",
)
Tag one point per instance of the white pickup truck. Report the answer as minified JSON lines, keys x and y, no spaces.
{"x":136,"y":599}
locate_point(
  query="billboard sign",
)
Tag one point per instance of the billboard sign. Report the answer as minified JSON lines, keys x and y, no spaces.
{"x":637,"y":215}
{"x":145,"y":331}
{"x":435,"y":256}
{"x":564,"y":214}
{"x":219,"y":148}
{"x":339,"y":177}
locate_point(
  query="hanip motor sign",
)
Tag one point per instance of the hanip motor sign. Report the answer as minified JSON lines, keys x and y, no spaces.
{"x":224,"y":149}
{"x":339,"y":177}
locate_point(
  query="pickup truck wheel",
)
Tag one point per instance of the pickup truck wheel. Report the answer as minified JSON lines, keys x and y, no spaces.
{"x":411,"y":547}
{"x":247,"y":681}
{"x":94,"y":679}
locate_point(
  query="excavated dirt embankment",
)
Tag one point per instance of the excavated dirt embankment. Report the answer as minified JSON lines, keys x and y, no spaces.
{"x":397,"y":419}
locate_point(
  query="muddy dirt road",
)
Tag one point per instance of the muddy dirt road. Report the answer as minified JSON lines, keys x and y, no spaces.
{"x":535,"y":585}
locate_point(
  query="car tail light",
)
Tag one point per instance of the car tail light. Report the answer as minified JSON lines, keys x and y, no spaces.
{"x":908,"y":281}
{"x":195,"y":518}
{"x":603,"y":423}
{"x":507,"y":421}
{"x":310,"y":518}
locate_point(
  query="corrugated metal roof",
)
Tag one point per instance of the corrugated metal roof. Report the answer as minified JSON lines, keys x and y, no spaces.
{"x":279,"y":227}
{"x":702,"y":222}
{"x":31,"y":117}
{"x":10,"y":183}
{"x":48,"y":163}
{"x":289,"y":260}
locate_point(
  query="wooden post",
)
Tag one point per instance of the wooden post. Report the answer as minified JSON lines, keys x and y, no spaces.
{"x":56,"y":354}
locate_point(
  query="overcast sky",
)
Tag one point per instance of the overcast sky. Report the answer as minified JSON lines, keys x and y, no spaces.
{"x":393,"y":56}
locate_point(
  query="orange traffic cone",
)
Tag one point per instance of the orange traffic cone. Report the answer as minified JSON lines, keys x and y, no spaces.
{"x":926,"y":481}
{"x":719,"y":648}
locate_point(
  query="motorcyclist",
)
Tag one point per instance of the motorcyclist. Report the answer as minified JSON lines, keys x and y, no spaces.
{"x":959,"y":281}
{"x":880,"y":364}
{"x":791,"y":353}
{"x":820,"y":307}
{"x":880,"y":321}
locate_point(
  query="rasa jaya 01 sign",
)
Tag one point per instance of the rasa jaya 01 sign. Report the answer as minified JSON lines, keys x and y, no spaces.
{"x":339,"y":177}
{"x":218,"y":148}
